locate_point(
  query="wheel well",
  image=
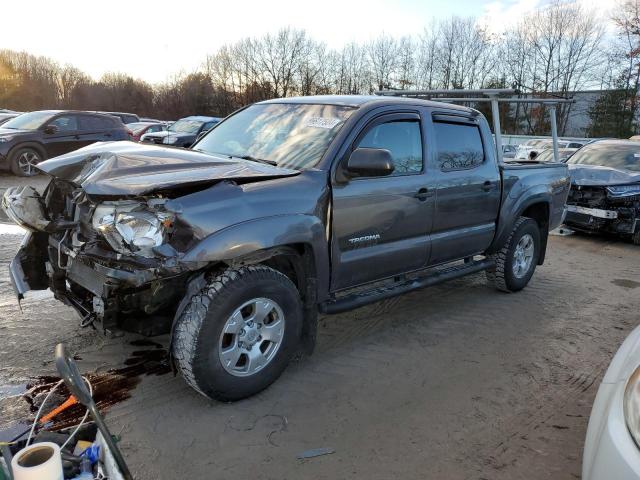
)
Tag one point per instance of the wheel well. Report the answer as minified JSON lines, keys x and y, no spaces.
{"x":295,"y":261}
{"x":34,"y":145}
{"x":540,"y":213}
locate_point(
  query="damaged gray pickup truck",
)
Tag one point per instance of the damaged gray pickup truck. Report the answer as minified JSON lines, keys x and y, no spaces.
{"x":285,"y":209}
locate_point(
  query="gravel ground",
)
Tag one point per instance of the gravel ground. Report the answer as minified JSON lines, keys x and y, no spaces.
{"x":457,"y":381}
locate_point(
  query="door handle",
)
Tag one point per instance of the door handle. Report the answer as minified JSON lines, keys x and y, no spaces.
{"x":423,"y":194}
{"x":487,"y":186}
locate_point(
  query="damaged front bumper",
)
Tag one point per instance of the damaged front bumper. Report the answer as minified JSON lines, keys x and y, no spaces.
{"x":25,"y":274}
{"x":597,"y":209}
{"x":139,"y":300}
{"x":107,"y":289}
{"x":597,"y":219}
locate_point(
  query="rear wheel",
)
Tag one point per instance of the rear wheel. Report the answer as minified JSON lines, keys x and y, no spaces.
{"x":517,"y":259}
{"x":635,"y":238}
{"x":23,"y":160}
{"x":237,"y":335}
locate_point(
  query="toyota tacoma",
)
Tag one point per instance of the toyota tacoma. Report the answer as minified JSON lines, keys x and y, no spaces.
{"x":285,"y":209}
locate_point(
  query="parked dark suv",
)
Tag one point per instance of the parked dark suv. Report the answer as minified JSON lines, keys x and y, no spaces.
{"x":35,"y":136}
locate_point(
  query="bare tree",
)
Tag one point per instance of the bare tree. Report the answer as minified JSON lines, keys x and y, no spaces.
{"x":383,"y":57}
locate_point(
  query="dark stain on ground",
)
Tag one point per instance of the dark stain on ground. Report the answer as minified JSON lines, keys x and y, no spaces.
{"x":109,"y":388}
{"x":625,"y":283}
{"x":145,"y":342}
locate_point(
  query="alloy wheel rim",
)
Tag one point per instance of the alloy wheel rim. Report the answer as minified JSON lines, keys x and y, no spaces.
{"x":251,"y":337}
{"x":26,"y":162}
{"x":523,"y":256}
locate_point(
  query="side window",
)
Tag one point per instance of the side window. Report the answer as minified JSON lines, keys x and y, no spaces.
{"x":403,"y":139}
{"x":89,"y":122}
{"x":459,"y":146}
{"x":66,"y":123}
{"x":153,"y":129}
{"x":575,"y":145}
{"x":207,"y":126}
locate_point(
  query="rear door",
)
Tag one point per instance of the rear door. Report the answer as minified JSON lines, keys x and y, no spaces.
{"x":96,"y":128}
{"x":67,"y":135}
{"x":468,"y":188}
{"x":381,"y":225}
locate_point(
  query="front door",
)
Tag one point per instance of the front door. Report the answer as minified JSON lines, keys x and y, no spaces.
{"x":381,"y":225}
{"x":66,"y":137}
{"x":468,"y":189}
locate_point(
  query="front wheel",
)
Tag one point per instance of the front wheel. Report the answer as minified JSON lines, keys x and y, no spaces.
{"x":517,"y":259}
{"x":236,"y":336}
{"x":23,"y":161}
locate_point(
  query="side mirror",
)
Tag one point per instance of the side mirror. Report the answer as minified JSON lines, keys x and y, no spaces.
{"x":370,"y":162}
{"x":50,"y":129}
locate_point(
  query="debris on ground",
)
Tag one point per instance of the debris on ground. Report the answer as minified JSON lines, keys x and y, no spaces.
{"x":315,"y":452}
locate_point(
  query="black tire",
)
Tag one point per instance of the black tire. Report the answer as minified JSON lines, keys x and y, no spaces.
{"x":198,"y":332}
{"x":18,"y":157}
{"x":502,"y":275}
{"x":635,"y":238}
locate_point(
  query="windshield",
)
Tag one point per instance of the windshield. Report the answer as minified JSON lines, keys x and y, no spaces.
{"x":545,"y":156}
{"x":291,"y":135}
{"x":624,"y":156}
{"x":186,"y":126}
{"x":29,"y":121}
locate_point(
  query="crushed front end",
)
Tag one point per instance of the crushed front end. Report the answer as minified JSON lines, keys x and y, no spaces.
{"x":109,"y":260}
{"x":599,"y":208}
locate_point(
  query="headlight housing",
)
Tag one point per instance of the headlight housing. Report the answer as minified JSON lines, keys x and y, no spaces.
{"x":169,"y":140}
{"x":631,"y":405}
{"x":624,"y":190}
{"x":5,"y":139}
{"x":131,"y":228}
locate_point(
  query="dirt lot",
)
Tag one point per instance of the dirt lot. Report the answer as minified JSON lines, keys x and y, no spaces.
{"x":458,"y":381}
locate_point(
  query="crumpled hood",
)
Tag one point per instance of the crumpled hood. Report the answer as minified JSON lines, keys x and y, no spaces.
{"x":595,"y":175}
{"x":129,"y":169}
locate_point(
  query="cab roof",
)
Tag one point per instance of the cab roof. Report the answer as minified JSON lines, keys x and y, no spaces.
{"x":358,"y":101}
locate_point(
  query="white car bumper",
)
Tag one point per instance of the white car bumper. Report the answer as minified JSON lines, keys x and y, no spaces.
{"x":609,"y":451}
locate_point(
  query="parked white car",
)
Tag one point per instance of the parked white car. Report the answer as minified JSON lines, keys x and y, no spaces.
{"x":540,"y":145}
{"x":611,"y":448}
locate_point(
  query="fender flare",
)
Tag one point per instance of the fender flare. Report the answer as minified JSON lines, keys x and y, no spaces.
{"x":244,"y":239}
{"x":512,"y":210}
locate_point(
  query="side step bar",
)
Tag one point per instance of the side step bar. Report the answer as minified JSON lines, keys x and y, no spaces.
{"x":359,"y":299}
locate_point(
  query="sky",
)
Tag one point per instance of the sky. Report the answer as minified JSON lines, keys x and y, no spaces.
{"x":156,"y":39}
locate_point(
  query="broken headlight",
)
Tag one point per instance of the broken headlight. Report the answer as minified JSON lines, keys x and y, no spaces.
{"x":129,"y":228}
{"x":631,"y":405}
{"x":624,"y":190}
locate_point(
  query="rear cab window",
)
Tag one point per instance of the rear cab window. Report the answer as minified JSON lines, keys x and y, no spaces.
{"x":458,"y":146}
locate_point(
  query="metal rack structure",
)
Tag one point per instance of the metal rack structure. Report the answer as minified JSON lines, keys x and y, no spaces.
{"x":495,"y":96}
